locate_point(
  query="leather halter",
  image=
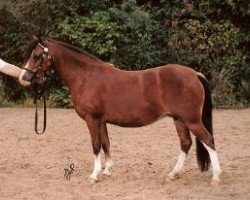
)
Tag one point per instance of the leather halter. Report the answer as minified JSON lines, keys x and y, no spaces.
{"x":40,"y":89}
{"x":42,"y":55}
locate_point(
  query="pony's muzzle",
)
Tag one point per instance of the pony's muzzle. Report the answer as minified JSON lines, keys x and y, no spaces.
{"x":26,"y":78}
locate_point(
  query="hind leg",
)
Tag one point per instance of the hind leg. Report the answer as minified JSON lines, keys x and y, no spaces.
{"x":208,"y":141}
{"x":106,"y":148}
{"x":186,"y":142}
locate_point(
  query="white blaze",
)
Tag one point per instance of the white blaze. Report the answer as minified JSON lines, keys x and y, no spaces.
{"x":21,"y":80}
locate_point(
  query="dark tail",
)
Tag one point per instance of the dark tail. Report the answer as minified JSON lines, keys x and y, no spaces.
{"x":203,"y":158}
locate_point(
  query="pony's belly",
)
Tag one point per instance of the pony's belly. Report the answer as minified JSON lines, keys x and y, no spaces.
{"x":136,"y":121}
{"x":126,"y":124}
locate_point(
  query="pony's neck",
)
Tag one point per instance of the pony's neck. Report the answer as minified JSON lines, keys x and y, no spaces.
{"x":71,"y":65}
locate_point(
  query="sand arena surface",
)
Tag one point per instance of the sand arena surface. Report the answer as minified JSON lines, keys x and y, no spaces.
{"x":32,"y":166}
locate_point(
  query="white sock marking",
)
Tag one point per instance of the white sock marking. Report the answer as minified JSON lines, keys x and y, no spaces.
{"x":97,"y":167}
{"x":109,"y":164}
{"x":215,"y":162}
{"x":179,"y":165}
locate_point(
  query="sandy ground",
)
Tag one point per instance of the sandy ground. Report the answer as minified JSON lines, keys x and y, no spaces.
{"x":32,"y":166}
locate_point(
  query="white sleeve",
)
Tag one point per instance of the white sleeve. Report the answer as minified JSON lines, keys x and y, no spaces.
{"x":2,"y":64}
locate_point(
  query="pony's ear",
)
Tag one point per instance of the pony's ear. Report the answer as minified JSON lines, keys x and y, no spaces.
{"x":37,"y":38}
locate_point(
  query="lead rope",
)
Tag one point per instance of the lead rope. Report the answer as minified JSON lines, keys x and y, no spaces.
{"x":40,"y":95}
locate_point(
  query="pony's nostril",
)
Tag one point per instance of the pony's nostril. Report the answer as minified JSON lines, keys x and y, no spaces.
{"x":28,"y":76}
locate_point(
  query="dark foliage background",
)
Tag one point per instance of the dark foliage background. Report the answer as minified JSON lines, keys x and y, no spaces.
{"x":211,"y":36}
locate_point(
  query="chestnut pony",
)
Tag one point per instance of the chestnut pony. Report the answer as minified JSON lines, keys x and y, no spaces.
{"x":104,"y":94}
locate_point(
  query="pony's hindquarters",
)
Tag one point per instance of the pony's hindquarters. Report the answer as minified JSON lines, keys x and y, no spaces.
{"x":197,"y":118}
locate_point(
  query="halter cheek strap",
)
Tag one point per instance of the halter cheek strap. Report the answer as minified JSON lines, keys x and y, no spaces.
{"x":45,"y":49}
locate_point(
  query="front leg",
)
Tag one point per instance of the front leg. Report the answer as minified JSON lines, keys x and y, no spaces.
{"x":93,"y":178}
{"x":106,"y":148}
{"x":94,"y":129}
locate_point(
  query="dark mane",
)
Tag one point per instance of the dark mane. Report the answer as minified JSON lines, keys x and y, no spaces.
{"x":29,"y":50}
{"x":76,"y":49}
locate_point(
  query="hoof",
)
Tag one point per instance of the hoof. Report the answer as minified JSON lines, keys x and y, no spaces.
{"x":106,"y":173}
{"x":172,"y":176}
{"x":108,"y":168}
{"x":215,"y":183}
{"x":92,"y":180}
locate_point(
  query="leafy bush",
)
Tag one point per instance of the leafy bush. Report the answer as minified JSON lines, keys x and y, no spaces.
{"x":212,"y":48}
{"x":60,"y":98}
{"x":95,"y":33}
{"x":140,"y":44}
{"x":210,"y":36}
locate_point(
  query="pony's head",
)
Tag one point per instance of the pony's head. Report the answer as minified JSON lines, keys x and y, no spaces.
{"x":37,"y":61}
